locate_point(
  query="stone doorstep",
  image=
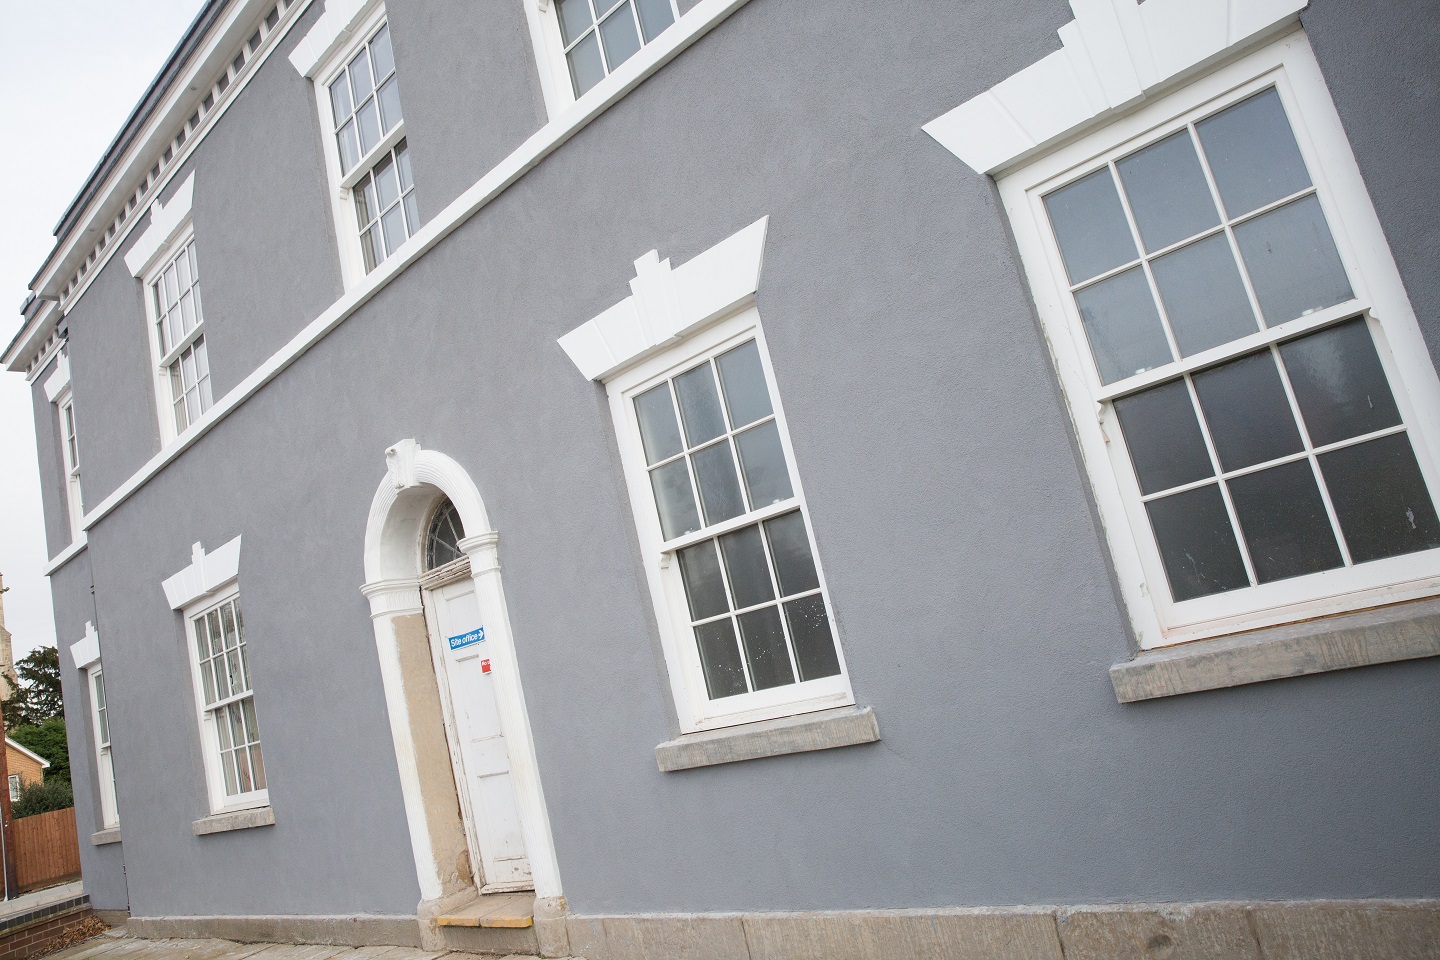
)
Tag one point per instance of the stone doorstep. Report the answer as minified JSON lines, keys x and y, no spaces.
{"x":511,"y":911}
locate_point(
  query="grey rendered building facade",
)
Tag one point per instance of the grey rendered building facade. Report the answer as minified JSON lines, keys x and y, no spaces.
{"x":996,"y":746}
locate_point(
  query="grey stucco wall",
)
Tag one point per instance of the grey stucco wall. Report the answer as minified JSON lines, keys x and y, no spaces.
{"x":476,"y":91}
{"x":103,"y":867}
{"x":1377,"y":62}
{"x":263,"y":228}
{"x":953,"y":522}
{"x":110,"y":369}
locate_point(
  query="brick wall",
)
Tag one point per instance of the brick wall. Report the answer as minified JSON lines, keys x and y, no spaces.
{"x":30,"y":935}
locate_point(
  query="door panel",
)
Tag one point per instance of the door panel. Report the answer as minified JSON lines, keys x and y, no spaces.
{"x":493,"y":811}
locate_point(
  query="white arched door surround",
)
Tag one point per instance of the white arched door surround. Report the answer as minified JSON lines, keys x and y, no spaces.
{"x":393,"y":549}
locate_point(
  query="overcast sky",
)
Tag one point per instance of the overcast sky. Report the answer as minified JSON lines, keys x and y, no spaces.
{"x":70,"y":72}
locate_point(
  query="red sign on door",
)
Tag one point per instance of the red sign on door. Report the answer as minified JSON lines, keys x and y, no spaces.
{"x":484,"y":666}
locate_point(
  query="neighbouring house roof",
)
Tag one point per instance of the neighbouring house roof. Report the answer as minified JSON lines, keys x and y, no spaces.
{"x":44,"y":764}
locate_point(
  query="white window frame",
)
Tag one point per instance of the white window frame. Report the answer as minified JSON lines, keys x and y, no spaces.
{"x":14,"y":783}
{"x":162,"y":361}
{"x":104,"y":759}
{"x":1289,"y":65}
{"x":70,"y":459}
{"x":549,"y":44}
{"x":694,"y":709}
{"x":342,"y":199}
{"x":205,"y":714}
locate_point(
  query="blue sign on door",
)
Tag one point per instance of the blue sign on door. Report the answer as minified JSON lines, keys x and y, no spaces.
{"x":465,"y":639}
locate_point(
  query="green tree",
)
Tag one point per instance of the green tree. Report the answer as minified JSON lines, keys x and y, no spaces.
{"x":42,"y":798}
{"x":48,"y":740}
{"x":39,"y":697}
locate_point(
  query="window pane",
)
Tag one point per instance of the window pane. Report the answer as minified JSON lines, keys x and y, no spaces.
{"x":1248,"y":414}
{"x":1167,"y":191}
{"x":242,"y":769}
{"x":1252,"y":153}
{"x":1339,"y":383}
{"x":394,"y":225}
{"x":790,"y":552}
{"x":370,"y":247}
{"x":744,"y":553}
{"x":222,"y":728}
{"x":227,"y":627}
{"x":586,"y":67}
{"x":704,"y":587}
{"x":719,"y":486}
{"x":720,"y":659}
{"x":360,"y":79}
{"x":1090,"y":226}
{"x":1123,"y":326}
{"x":402,"y":162}
{"x":1292,"y":260}
{"x":257,"y":766}
{"x":187,"y":312}
{"x":217,"y":640}
{"x":699,"y":405}
{"x":659,"y":432}
{"x":810,"y":632}
{"x":252,"y":730}
{"x":1164,"y":437}
{"x":381,"y":53}
{"x":676,"y":503}
{"x":412,"y":212}
{"x":765,"y":648}
{"x":574,"y":18}
{"x":182,"y":262}
{"x":368,"y":118}
{"x":203,"y":647}
{"x":340,"y":99}
{"x":655,"y":15}
{"x":1197,"y":544}
{"x":1284,"y":522}
{"x":603,"y":7}
{"x":747,"y":398}
{"x":767,"y":478}
{"x":390,"y":104}
{"x":1380,"y":498}
{"x":349,"y":147}
{"x":387,"y":182}
{"x":227,"y":761}
{"x":620,"y":36}
{"x":1203,"y":295}
{"x":366,"y":209}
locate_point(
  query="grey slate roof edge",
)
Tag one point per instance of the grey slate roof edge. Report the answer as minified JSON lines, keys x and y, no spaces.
{"x":1405,"y":631}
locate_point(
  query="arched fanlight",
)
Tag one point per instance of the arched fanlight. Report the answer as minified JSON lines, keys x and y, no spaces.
{"x":443,"y":536}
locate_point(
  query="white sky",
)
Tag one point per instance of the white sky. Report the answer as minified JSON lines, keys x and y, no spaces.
{"x":70,"y":72}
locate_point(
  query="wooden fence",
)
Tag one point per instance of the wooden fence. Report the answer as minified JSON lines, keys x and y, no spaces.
{"x":47,"y":849}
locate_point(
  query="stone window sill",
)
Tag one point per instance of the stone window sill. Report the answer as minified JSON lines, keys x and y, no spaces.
{"x":103,"y":837}
{"x":234,"y":820}
{"x":1406,"y":631}
{"x":825,"y":730}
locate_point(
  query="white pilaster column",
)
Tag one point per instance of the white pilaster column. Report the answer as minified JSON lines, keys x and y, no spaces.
{"x":389,"y":600}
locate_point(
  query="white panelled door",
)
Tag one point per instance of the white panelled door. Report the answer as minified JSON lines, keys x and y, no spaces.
{"x":493,"y":818}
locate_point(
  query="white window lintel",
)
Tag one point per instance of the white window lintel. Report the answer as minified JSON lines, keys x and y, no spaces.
{"x":328,"y":34}
{"x":86,"y":650}
{"x":665,"y":305}
{"x":166,"y":220}
{"x":206,"y":573}
{"x":58,"y":381}
{"x":1115,"y":52}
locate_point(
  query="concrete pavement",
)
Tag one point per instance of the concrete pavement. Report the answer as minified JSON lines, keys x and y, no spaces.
{"x":114,"y":946}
